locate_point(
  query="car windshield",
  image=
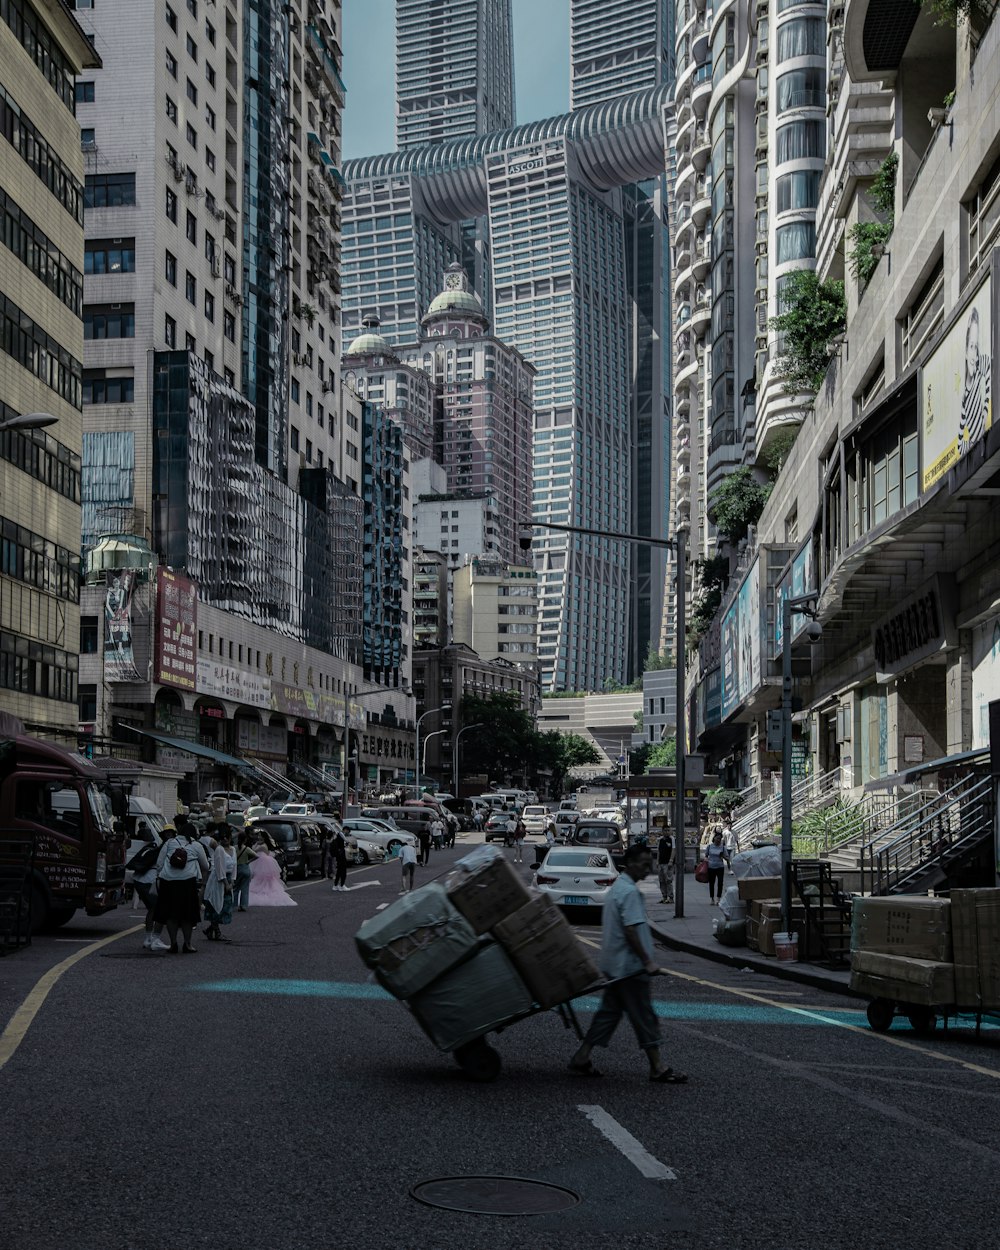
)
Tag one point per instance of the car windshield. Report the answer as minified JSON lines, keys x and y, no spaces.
{"x":576,"y":859}
{"x":596,"y":835}
{"x":281,"y":832}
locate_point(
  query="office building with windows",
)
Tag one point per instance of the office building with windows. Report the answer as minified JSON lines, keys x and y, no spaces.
{"x":211,"y":388}
{"x":561,"y":297}
{"x":454,"y":70}
{"x":495,"y":610}
{"x":42,"y":50}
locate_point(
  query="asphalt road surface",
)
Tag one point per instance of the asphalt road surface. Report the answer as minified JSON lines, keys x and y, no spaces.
{"x":265,"y":1095}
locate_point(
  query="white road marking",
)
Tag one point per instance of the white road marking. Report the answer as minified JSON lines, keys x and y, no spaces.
{"x":382,"y":906}
{"x":622,"y":1140}
{"x":361,"y":885}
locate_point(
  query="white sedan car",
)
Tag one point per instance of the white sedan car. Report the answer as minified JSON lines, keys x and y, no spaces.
{"x":367,"y":831}
{"x":575,"y":876}
{"x":536,"y":817}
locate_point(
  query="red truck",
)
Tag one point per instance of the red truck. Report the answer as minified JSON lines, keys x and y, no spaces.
{"x":73,"y":812}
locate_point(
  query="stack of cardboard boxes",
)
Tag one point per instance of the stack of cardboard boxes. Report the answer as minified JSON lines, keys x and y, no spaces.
{"x":975,"y":927}
{"x":475,"y":953}
{"x":901,"y":949}
{"x":762,"y":896}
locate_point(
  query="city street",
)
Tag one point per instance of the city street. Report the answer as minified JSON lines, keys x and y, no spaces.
{"x":268,"y":1094}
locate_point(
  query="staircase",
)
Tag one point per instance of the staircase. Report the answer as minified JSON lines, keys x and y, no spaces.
{"x":934,"y":844}
{"x":808,"y":794}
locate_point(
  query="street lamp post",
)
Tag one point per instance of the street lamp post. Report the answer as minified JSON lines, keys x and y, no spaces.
{"x":679,"y":546}
{"x":454,"y":755}
{"x":802,"y":605}
{"x":430,"y":712}
{"x":357,"y":694}
{"x":28,"y":421}
{"x":435,"y":733}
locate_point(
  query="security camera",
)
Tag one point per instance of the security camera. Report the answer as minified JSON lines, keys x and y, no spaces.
{"x":524,"y":537}
{"x":814,"y":632}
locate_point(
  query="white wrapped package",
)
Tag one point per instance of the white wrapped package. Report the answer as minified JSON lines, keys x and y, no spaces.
{"x":764,"y":861}
{"x":732,"y":906}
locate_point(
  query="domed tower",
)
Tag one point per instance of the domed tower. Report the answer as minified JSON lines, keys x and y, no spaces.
{"x":458,"y":310}
{"x":370,"y":346}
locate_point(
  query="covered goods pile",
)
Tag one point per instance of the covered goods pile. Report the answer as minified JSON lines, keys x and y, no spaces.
{"x":477,"y":951}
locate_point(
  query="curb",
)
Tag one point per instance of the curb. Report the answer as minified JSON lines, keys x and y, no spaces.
{"x":733,"y":959}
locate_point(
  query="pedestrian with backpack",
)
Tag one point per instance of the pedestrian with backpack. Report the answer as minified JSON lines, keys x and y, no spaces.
{"x":142,"y":866}
{"x":180,"y":867}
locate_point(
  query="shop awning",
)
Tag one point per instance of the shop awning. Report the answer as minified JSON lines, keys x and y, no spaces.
{"x":195,"y":748}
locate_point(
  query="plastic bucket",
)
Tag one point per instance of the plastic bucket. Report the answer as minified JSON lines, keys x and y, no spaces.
{"x":786,"y":947}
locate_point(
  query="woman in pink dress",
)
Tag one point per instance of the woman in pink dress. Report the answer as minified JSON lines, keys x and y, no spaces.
{"x":266,"y":888}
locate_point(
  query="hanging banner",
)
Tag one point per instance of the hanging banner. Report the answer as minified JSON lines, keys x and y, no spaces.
{"x":119,"y":658}
{"x":956,"y":389}
{"x":176,"y":630}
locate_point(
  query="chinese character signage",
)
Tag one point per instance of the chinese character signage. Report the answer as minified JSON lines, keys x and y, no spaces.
{"x":227,"y":682}
{"x":119,"y":658}
{"x":176,"y":630}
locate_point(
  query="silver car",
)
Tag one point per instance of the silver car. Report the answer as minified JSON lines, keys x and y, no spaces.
{"x":390,"y":840}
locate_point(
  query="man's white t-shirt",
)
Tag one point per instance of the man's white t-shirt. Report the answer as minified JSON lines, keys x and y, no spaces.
{"x":407,"y":854}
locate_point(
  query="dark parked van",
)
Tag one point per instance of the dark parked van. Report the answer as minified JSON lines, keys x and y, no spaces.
{"x":412,"y":817}
{"x":298,"y":843}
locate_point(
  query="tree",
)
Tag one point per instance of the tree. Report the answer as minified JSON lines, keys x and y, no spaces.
{"x":558,"y":753}
{"x":662,"y":754}
{"x":502,"y":746}
{"x":656,"y":661}
{"x":713,"y":574}
{"x":812,"y":313}
{"x":737,"y":502}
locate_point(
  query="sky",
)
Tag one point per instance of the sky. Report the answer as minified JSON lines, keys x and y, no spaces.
{"x":541,"y":69}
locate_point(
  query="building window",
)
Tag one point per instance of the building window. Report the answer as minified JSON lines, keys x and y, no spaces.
{"x":229,"y":269}
{"x":34,"y":249}
{"x":88,"y":137}
{"x":84,"y":93}
{"x":109,"y":256}
{"x":190,"y":288}
{"x":210,"y":116}
{"x":192,"y":135}
{"x":799,"y":190}
{"x":796,"y":241}
{"x":170,"y":268}
{"x":210,"y":359}
{"x":193,"y":7}
{"x":109,"y":321}
{"x":192,"y":48}
{"x":293,"y":438}
{"x":210,"y":33}
{"x":172,"y":110}
{"x":171,"y":206}
{"x":88,"y":635}
{"x":229,"y":326}
{"x":109,"y":190}
{"x":800,"y":140}
{"x":32,"y":147}
{"x":189,"y":344}
{"x":802,"y":36}
{"x":295,"y":391}
{"x":191,"y":227}
{"x":210,"y":246}
{"x":170,"y":331}
{"x":192,"y":92}
{"x":171,"y":64}
{"x":209,"y":75}
{"x":209,"y":306}
{"x":171,"y":19}
{"x":99,"y":389}
{"x":210,"y":159}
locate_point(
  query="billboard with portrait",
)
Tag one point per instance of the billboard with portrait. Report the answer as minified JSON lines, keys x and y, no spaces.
{"x":956,"y":389}
{"x":119,"y":657}
{"x":799,"y":580}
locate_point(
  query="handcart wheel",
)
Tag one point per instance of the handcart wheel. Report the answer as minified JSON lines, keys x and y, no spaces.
{"x":922,"y":1019}
{"x":880,"y":1014}
{"x":479,"y":1061}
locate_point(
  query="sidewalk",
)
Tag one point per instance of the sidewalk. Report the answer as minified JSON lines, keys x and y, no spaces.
{"x":694,"y":935}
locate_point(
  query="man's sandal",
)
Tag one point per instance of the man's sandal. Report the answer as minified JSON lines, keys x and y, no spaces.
{"x":668,"y":1077}
{"x":583,"y":1069}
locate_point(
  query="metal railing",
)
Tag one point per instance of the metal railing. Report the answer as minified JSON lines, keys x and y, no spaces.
{"x":807,"y":793}
{"x":928,"y":840}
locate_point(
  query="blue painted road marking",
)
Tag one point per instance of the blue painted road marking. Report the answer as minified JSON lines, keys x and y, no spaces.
{"x":721,"y":1013}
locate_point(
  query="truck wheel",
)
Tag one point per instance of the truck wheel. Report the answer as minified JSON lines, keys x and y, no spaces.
{"x":58,"y":916}
{"x":880,"y":1014}
{"x":479,"y":1061}
{"x":922,"y":1019}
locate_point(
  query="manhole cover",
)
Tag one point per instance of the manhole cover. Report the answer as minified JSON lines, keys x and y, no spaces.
{"x":494,"y":1195}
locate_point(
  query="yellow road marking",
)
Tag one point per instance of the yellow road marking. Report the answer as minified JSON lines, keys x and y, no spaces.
{"x":22,"y":1019}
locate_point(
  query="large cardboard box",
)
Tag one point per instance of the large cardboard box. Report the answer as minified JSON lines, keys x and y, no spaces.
{"x":474,"y":998}
{"x":911,"y":925}
{"x":975,"y":924}
{"x":759,"y":887}
{"x":925,"y":982}
{"x":416,"y":939}
{"x":485,"y":888}
{"x":551,"y":959}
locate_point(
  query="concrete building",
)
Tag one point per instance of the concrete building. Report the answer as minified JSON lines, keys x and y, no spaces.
{"x":607,"y":721}
{"x":430,"y":599}
{"x":618,"y":47}
{"x":454,"y":70}
{"x":659,"y":705}
{"x":496,"y":610}
{"x":462,"y":397}
{"x":884,"y":507}
{"x":441,"y":677}
{"x":217,"y":435}
{"x":42,"y":50}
